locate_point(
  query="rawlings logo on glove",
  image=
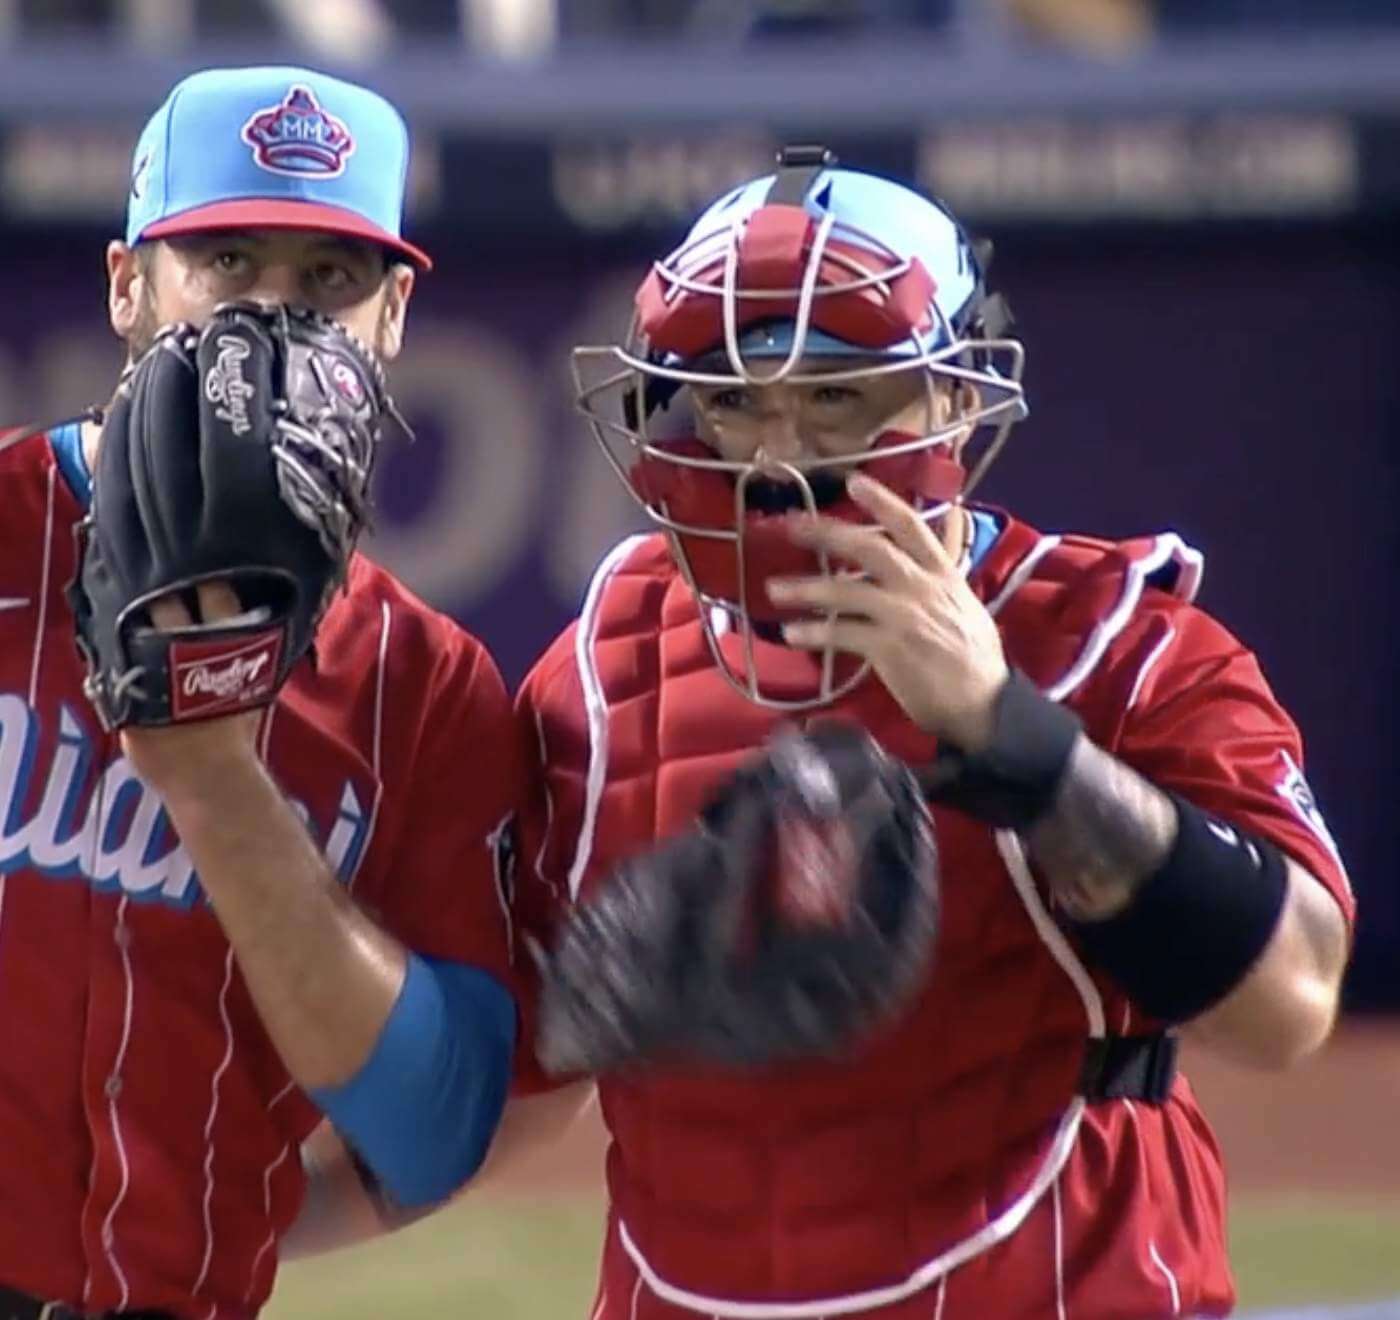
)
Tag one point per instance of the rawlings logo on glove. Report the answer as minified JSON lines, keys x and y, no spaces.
{"x":239,"y":453}
{"x":210,"y":678}
{"x":226,"y":387}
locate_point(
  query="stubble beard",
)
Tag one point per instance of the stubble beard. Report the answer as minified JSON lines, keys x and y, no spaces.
{"x":143,"y":331}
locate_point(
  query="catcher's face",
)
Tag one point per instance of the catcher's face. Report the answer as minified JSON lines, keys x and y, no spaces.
{"x":184,"y":279}
{"x":804,"y":420}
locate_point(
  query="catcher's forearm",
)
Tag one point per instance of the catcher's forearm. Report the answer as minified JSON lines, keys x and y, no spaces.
{"x":1096,"y":828}
{"x":322,"y":975}
{"x":1110,"y":832}
{"x":1197,"y":920}
{"x":1106,"y":832}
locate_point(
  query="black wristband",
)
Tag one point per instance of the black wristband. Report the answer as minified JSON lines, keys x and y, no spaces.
{"x":1012,"y":782}
{"x":1198,"y":924}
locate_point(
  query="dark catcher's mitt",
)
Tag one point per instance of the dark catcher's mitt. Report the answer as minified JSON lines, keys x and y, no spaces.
{"x":798,"y":915}
{"x":241,"y":453}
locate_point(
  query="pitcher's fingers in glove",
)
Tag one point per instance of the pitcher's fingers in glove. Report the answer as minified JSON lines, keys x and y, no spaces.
{"x":241,"y":454}
{"x":169,"y":613}
{"x":217,"y":601}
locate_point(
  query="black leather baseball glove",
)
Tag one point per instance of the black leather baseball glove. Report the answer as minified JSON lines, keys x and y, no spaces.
{"x":241,"y":452}
{"x":797,"y":916}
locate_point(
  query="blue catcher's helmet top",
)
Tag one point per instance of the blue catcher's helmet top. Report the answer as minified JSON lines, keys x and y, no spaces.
{"x":889,"y":218}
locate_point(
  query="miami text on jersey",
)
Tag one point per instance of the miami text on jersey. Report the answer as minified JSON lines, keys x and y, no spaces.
{"x":120,"y":838}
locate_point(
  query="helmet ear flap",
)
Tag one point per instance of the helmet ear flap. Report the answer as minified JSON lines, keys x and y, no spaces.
{"x":991,"y":316}
{"x":994,"y":319}
{"x":657,"y":393}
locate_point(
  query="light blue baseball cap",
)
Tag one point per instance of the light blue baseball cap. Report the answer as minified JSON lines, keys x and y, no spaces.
{"x":272,"y":148}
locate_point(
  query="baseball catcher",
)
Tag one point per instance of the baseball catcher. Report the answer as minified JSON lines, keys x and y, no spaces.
{"x":812,"y":384}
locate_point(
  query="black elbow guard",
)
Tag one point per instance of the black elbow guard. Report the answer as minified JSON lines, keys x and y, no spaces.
{"x":1197,"y":924}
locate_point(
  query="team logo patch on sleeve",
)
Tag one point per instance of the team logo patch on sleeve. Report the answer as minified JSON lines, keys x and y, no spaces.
{"x":1294,"y":789}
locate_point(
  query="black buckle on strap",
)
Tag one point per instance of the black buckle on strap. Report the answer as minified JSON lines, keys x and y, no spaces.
{"x":1129,"y":1068}
{"x":798,"y":169}
{"x":16,"y":1305}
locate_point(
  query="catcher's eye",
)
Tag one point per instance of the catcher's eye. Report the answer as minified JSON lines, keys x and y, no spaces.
{"x":727,"y":400}
{"x":832,"y":396}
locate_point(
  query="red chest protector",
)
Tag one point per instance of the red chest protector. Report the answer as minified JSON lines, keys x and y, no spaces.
{"x":868,"y":1178}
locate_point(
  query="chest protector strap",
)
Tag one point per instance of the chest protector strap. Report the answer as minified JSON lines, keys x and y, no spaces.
{"x":1129,"y":1068}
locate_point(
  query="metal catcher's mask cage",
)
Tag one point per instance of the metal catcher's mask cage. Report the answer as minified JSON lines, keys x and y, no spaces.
{"x":810,"y":263}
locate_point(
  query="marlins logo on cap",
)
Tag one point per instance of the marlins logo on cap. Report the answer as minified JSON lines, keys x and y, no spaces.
{"x":272,"y":148}
{"x":298,"y":137}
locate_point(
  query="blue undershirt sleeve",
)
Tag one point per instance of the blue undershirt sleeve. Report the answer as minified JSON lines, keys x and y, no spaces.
{"x":422,"y":1110}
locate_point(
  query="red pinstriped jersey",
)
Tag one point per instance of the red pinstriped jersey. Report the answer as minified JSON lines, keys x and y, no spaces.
{"x":948,"y":1170}
{"x":150,"y":1132}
